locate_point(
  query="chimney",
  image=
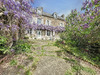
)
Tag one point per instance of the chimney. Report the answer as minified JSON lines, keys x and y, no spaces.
{"x":63,"y":16}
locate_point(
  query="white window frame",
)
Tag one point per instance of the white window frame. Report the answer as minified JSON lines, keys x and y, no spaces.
{"x":55,"y":15}
{"x":48,"y":33}
{"x":39,"y":32}
{"x":62,"y":24}
{"x":39,"y":19}
{"x":39,"y":11}
{"x":48,"y":22}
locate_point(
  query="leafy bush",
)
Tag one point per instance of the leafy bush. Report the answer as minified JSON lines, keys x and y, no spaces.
{"x":26,"y":37}
{"x":3,"y":47}
{"x":21,"y":46}
{"x":82,"y":32}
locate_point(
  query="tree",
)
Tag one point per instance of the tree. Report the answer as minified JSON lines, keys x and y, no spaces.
{"x":83,"y":29}
{"x":15,"y":17}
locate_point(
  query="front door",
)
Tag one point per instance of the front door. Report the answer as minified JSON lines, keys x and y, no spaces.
{"x":38,"y":34}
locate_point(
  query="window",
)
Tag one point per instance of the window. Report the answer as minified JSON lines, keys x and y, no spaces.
{"x":48,"y":22}
{"x":30,"y":31}
{"x":61,"y":24}
{"x":48,"y":33}
{"x":38,"y":21}
{"x":38,"y":32}
{"x":55,"y":15}
{"x":39,"y":11}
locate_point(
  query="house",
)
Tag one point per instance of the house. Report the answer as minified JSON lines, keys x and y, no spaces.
{"x":46,"y":26}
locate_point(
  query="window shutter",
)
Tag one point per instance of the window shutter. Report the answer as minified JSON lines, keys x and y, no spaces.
{"x":35,"y":20}
{"x":32,"y":31}
{"x":42,"y":21}
{"x":50,"y":22}
{"x":45,"y":32}
{"x":46,"y":22}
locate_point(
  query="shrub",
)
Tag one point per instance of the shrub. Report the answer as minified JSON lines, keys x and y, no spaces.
{"x":21,"y":46}
{"x":26,"y":37}
{"x":82,"y":32}
{"x":3,"y":47}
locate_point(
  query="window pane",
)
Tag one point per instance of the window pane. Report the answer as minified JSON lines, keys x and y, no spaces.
{"x":38,"y":21}
{"x":48,"y":33}
{"x":38,"y":32}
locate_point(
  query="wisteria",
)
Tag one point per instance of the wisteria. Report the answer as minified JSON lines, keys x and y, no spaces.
{"x":14,"y":18}
{"x":47,"y":27}
{"x":83,"y":28}
{"x":19,"y":8}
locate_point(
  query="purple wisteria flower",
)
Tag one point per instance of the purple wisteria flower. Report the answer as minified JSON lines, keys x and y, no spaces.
{"x":5,"y":12}
{"x":91,"y":17}
{"x":46,"y":27}
{"x":90,"y":4}
{"x":12,"y":50}
{"x":85,"y":26}
{"x":7,"y":26}
{"x":14,"y":28}
{"x":95,"y":1}
{"x":1,"y":24}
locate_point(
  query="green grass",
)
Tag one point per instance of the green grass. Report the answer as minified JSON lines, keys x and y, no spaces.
{"x":13,"y":62}
{"x":28,"y":72}
{"x":84,"y":56}
{"x":71,"y":60}
{"x":20,"y":67}
{"x":68,"y":73}
{"x":30,"y":57}
{"x":89,"y":70}
{"x":76,"y":68}
{"x":35,"y":61}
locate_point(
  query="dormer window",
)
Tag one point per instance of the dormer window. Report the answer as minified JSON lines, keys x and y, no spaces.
{"x":39,"y":11}
{"x":62,"y":24}
{"x":63,"y":16}
{"x":55,"y":15}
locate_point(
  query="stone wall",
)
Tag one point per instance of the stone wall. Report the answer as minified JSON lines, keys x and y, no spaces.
{"x":54,"y":22}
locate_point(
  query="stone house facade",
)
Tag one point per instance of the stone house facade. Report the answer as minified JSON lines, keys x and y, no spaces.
{"x":46,"y":26}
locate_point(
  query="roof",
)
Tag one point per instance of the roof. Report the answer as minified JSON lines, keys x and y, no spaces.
{"x":48,"y":14}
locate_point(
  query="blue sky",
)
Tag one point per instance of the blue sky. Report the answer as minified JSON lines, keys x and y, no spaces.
{"x":59,"y":6}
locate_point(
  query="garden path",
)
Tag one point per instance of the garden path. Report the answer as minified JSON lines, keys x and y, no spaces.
{"x":47,"y":59}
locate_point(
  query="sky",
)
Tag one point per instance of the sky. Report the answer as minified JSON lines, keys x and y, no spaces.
{"x":59,"y":6}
